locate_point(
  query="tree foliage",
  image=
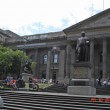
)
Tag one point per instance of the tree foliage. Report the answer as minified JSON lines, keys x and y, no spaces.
{"x":10,"y":61}
{"x":33,"y":66}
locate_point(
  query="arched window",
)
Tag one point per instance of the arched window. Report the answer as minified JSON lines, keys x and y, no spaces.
{"x":45,"y":59}
{"x":55,"y":58}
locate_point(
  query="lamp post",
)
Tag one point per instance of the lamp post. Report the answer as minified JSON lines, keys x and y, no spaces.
{"x":22,"y":61}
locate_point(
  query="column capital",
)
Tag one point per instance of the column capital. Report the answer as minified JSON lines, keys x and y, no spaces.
{"x":55,"y":48}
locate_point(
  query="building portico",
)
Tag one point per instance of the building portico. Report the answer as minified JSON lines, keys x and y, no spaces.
{"x":55,"y":52}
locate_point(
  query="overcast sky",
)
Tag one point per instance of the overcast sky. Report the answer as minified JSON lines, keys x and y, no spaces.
{"x":27,"y":17}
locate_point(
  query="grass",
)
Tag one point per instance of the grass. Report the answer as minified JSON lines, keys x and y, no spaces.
{"x":5,"y":88}
{"x":41,"y":85}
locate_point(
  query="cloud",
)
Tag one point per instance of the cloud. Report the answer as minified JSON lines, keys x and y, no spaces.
{"x":34,"y":16}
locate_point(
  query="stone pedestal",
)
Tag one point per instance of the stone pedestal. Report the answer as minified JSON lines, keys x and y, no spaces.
{"x":82,"y":70}
{"x":25,"y":76}
{"x":81,"y":90}
{"x":82,"y":84}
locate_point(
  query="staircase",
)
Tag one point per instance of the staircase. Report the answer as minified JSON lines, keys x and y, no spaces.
{"x":103,"y":91}
{"x":60,"y":88}
{"x":47,"y":101}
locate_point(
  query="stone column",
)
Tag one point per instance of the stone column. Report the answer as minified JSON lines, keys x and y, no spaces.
{"x":61,"y":65}
{"x":68,"y":60}
{"x":36,"y":55}
{"x":48,"y":66}
{"x":38,"y":64}
{"x":104,"y":58}
{"x":72,"y":61}
{"x":91,"y":75}
{"x":92,"y":58}
{"x":36,"y":52}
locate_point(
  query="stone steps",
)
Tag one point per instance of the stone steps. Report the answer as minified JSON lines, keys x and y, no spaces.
{"x":12,"y":107}
{"x":63,"y":89}
{"x":38,"y":101}
{"x":61,"y":103}
{"x":103,"y":91}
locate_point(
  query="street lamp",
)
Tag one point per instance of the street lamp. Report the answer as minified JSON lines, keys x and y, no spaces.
{"x":22,"y":61}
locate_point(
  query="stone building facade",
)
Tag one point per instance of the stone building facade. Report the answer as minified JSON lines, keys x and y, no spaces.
{"x":55,"y":52}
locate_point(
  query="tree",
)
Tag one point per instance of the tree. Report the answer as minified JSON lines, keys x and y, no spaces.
{"x":10,"y":61}
{"x":33,"y":66}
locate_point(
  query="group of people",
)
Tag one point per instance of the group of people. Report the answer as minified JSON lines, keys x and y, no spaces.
{"x":19,"y":83}
{"x":15,"y":84}
{"x":105,"y":83}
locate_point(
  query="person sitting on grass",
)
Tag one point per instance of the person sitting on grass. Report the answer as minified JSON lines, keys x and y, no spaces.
{"x":13,"y":84}
{"x":32,"y":84}
{"x":20,"y":83}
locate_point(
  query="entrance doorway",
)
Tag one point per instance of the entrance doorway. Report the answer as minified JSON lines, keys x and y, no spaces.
{"x":43,"y":75}
{"x":54,"y":77}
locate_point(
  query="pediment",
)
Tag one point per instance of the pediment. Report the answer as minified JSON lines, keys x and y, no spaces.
{"x":99,"y":20}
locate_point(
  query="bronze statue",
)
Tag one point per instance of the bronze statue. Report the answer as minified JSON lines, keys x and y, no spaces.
{"x":27,"y":67}
{"x":82,"y":48}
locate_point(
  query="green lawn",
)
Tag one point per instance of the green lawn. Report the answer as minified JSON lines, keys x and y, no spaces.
{"x":41,"y":85}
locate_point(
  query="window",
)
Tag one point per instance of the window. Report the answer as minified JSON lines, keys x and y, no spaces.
{"x":55,"y":58}
{"x":45,"y":59}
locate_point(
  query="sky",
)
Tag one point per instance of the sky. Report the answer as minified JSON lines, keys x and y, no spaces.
{"x":28,"y":17}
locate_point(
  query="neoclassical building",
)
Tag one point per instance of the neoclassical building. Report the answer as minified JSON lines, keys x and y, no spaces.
{"x":55,"y":52}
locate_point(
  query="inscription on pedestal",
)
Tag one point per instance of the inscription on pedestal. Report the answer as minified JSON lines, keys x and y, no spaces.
{"x":81,"y":72}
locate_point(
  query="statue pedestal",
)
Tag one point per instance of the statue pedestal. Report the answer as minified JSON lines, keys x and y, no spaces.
{"x":81,"y":90}
{"x":25,"y":76}
{"x":82,"y":84}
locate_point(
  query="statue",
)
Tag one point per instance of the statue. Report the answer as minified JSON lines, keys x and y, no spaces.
{"x":82,"y":48}
{"x":27,"y":67}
